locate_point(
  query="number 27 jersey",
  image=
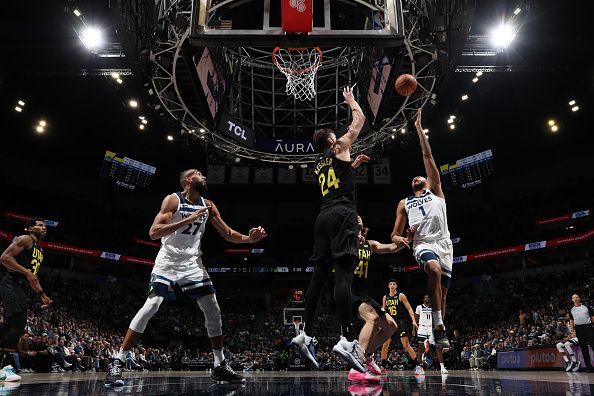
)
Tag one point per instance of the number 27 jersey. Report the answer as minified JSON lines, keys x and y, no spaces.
{"x":427,"y":213}
{"x":336,"y":180}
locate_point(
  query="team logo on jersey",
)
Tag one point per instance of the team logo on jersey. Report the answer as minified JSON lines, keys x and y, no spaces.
{"x":418,"y":202}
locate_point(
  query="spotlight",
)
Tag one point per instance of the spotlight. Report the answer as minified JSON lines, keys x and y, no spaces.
{"x":571,"y":102}
{"x":141,"y":117}
{"x":92,"y":38}
{"x":39,"y":129}
{"x":119,"y":81}
{"x":202,"y":130}
{"x":290,"y":166}
{"x":453,"y":117}
{"x":237,"y":159}
{"x":77,"y":12}
{"x":115,"y":75}
{"x":551,"y":122}
{"x":144,"y":121}
{"x":575,"y":108}
{"x":464,"y":97}
{"x":394,"y":129}
{"x":18,"y":109}
{"x":479,"y":73}
{"x":452,"y":126}
{"x":141,"y":127}
{"x":393,"y":137}
{"x":403,"y":131}
{"x":502,"y":36}
{"x":554,"y":128}
{"x":21,"y":103}
{"x":42,"y":123}
{"x":517,"y":11}
{"x":170,"y":138}
{"x":132,"y":103}
{"x":451,"y":120}
{"x":475,"y":80}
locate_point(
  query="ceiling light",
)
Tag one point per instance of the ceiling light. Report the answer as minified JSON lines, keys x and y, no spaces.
{"x":92,"y":38}
{"x":115,"y":75}
{"x":202,"y":130}
{"x":132,"y":103}
{"x":42,"y":123}
{"x":170,"y":138}
{"x":290,"y":166}
{"x":575,"y":108}
{"x":453,"y":117}
{"x":394,"y":129}
{"x":517,"y":11}
{"x":554,"y":128}
{"x":39,"y":129}
{"x":571,"y":102}
{"x":502,"y":36}
{"x":144,"y":121}
{"x":237,"y":159}
{"x":21,"y":103}
{"x":141,"y":117}
{"x":450,"y":120}
{"x":479,"y":73}
{"x":464,"y":97}
{"x":475,"y":80}
{"x":452,"y":126}
{"x":141,"y":126}
{"x":77,"y":12}
{"x":403,"y":131}
{"x":551,"y":122}
{"x":393,"y":137}
{"x":18,"y":109}
{"x":119,"y":81}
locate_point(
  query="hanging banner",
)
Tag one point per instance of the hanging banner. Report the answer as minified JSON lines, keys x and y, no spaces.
{"x":216,"y":174}
{"x":382,"y":173}
{"x":264,"y":176}
{"x":286,"y":176}
{"x":240,"y":175}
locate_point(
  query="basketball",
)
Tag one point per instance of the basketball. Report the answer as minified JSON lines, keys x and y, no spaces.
{"x":406,"y":85}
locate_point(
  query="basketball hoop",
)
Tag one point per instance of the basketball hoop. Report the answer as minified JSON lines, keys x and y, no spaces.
{"x":299,"y":65}
{"x":296,"y":323}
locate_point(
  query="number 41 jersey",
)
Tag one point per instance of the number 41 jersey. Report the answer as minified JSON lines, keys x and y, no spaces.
{"x":182,"y":247}
{"x":427,"y":213}
{"x":336,"y":180}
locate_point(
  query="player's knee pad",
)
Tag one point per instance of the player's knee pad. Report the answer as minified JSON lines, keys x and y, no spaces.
{"x":212,"y":315}
{"x":148,"y":310}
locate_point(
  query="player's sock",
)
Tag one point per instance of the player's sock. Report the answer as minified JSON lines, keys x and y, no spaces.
{"x":565,"y":358}
{"x":442,"y":365}
{"x":218,"y":357}
{"x":437,"y":320}
{"x":121,"y":356}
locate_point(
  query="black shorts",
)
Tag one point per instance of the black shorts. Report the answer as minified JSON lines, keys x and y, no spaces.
{"x":13,"y":291}
{"x":335,"y":233}
{"x":359,"y":298}
{"x":404,"y":329}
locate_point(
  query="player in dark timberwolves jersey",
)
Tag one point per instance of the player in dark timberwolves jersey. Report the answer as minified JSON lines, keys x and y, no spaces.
{"x":22,"y":259}
{"x":397,"y":305}
{"x":432,"y":247}
{"x":378,"y":324}
{"x":179,"y":271}
{"x":335,"y":237}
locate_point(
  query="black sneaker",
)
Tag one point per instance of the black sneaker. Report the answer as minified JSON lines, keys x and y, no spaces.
{"x":225,"y":375}
{"x":114,"y":374}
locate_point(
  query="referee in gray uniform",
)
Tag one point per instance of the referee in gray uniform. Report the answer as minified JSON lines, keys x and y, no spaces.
{"x":582,"y":320}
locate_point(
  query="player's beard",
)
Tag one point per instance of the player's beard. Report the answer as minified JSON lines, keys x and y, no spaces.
{"x":419,"y":186}
{"x":200,"y":187}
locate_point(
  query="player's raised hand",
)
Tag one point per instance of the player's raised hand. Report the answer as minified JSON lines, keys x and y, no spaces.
{"x":418,"y":124}
{"x":347,"y":93}
{"x":257,"y":234}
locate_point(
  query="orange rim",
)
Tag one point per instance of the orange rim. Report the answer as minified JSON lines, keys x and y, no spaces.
{"x":291,"y":71}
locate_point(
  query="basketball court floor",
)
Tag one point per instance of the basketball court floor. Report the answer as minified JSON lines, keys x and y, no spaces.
{"x":310,"y":383}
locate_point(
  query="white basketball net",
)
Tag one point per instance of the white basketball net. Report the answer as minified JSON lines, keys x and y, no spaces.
{"x":299,"y":65}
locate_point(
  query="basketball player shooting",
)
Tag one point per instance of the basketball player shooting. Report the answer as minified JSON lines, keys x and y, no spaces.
{"x":425,"y":210}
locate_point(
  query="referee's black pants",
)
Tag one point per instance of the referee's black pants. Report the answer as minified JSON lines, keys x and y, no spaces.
{"x":585,"y":336}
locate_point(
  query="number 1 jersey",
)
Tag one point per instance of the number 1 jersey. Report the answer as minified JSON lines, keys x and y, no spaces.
{"x":427,"y":213}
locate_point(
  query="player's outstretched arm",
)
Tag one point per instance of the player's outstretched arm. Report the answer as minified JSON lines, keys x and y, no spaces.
{"x":255,"y":234}
{"x":161,"y":226}
{"x":344,"y":143}
{"x":433,"y":177}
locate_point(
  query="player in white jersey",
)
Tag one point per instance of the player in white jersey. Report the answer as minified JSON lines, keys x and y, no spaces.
{"x":565,"y":347}
{"x":432,"y":247}
{"x":425,"y":338}
{"x":179,"y":272}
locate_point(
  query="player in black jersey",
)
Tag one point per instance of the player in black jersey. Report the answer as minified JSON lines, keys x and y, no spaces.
{"x":22,"y":258}
{"x":379,"y":325}
{"x":335,"y":233}
{"x":395,"y":303}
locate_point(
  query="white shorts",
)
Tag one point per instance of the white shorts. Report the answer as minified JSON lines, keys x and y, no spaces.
{"x":440,"y":250}
{"x":425,"y":333}
{"x":187,"y":275}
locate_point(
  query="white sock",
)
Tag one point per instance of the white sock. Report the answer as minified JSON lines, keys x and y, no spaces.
{"x":442,"y":366}
{"x":218,"y":357}
{"x":565,"y":358}
{"x":437,"y":320}
{"x":122,"y":355}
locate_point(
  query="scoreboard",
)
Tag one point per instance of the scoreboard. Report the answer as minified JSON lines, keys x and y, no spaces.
{"x":467,"y":172}
{"x":297,"y":295}
{"x":126,"y":172}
